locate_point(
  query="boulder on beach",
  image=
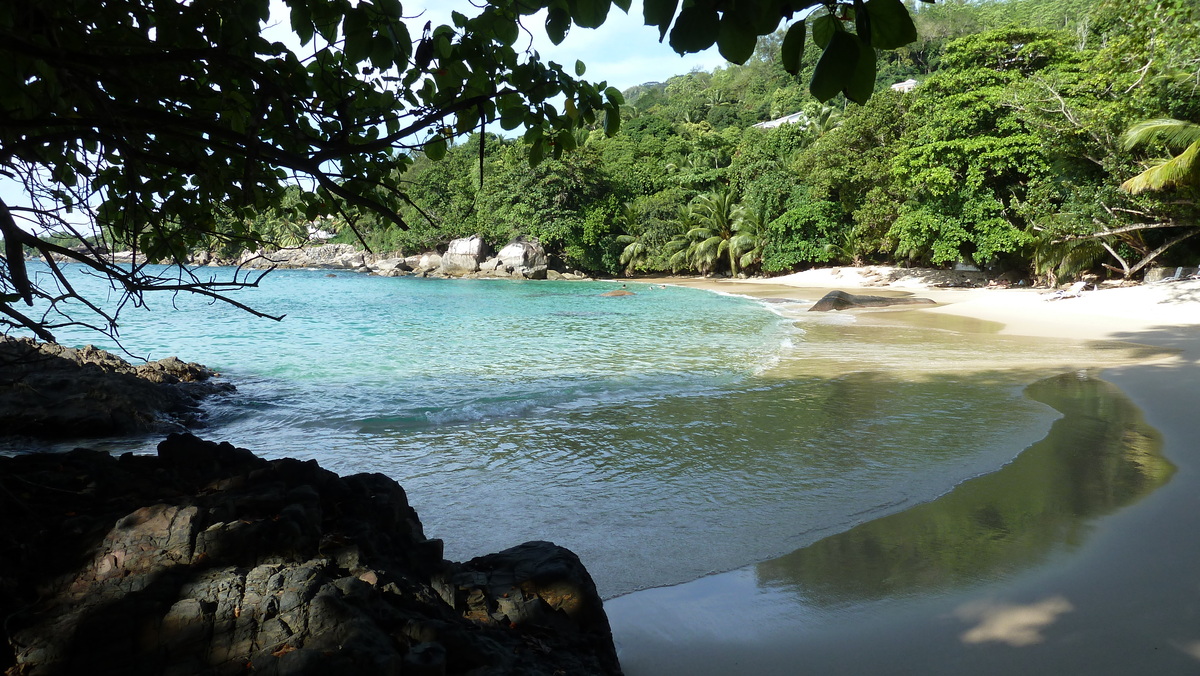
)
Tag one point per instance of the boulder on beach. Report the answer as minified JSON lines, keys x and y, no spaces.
{"x":464,"y":255}
{"x":524,"y":258}
{"x":390,"y":267}
{"x":424,"y":263}
{"x":840,"y":300}
{"x":206,"y":559}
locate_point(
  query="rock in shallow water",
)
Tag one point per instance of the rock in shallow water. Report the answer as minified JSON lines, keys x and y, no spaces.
{"x":209,"y":560}
{"x":840,"y":300}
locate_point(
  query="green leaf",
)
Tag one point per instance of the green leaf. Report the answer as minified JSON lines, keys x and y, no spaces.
{"x":580,"y":68}
{"x":862,"y":82}
{"x":356,"y":30}
{"x":383,"y":52}
{"x":506,"y":30}
{"x":862,"y":22}
{"x":695,"y":30}
{"x":589,"y":13}
{"x":659,"y":13}
{"x":401,"y":44}
{"x":762,"y":18}
{"x":327,"y":18}
{"x":466,"y":120}
{"x":441,"y":46}
{"x":793,"y":48}
{"x":612,"y":121}
{"x":537,"y":152}
{"x":823,"y":28}
{"x":614,"y":96}
{"x":511,"y":118}
{"x":558,"y":22}
{"x":302,"y":23}
{"x":891,"y":25}
{"x":313,"y":209}
{"x":565,"y":139}
{"x":623,"y":4}
{"x":835,"y":67}
{"x":435,"y":148}
{"x":734,"y":41}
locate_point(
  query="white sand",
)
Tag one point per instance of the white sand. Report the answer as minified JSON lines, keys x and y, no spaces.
{"x":1095,"y":315}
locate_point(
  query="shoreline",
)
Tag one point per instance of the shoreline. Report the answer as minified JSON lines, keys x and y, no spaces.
{"x":1124,"y":600}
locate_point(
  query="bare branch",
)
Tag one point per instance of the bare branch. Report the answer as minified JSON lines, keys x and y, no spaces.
{"x":21,"y":320}
{"x":1146,"y":260}
{"x":1113,"y":252}
{"x":1143,"y":70}
{"x":1120,"y":230}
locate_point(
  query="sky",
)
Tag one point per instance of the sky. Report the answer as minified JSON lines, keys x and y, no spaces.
{"x":624,"y":51}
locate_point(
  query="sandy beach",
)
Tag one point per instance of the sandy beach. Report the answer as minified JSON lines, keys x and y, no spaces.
{"x":1124,"y":598}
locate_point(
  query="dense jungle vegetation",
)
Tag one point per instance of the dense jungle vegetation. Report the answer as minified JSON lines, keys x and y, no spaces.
{"x":1009,"y":153}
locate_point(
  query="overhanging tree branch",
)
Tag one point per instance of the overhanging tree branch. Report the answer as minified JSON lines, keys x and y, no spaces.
{"x":1119,"y":231}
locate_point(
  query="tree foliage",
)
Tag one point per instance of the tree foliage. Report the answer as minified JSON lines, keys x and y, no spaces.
{"x":165,"y":126}
{"x":1007,"y":154}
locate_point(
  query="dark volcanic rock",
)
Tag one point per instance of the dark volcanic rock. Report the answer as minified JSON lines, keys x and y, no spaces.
{"x":209,"y":560}
{"x":48,"y":390}
{"x":840,"y":300}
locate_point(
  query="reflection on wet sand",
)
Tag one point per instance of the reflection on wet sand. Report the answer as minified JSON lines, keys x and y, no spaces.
{"x":920,"y":581}
{"x":1098,"y":457}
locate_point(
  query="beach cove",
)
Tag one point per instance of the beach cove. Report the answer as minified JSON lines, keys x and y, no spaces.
{"x":888,"y":476}
{"x":1110,"y":589}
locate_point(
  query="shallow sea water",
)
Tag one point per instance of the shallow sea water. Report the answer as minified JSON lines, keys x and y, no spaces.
{"x":661,"y":436}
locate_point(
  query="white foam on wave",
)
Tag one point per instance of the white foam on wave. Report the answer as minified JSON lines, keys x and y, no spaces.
{"x":481,"y":410}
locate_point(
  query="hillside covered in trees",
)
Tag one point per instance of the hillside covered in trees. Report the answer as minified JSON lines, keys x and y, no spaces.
{"x":1009,"y":153}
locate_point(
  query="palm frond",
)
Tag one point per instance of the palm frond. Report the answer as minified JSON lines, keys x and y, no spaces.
{"x":679,"y":260}
{"x":1172,"y":133}
{"x":1165,"y":173}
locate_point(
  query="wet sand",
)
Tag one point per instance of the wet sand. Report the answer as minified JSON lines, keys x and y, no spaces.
{"x":1120,"y":596}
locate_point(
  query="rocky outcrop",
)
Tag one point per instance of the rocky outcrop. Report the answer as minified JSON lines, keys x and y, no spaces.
{"x":523,"y":258}
{"x":335,"y":256}
{"x":425,"y":264}
{"x":463,"y":256}
{"x":391,"y":267}
{"x":48,"y":390}
{"x":840,"y":300}
{"x":468,"y":257}
{"x":206,"y":559}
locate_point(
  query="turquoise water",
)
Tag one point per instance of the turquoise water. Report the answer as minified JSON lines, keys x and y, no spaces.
{"x":661,"y":436}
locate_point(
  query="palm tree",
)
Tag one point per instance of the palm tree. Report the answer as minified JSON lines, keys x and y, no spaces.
{"x":636,"y":251}
{"x":678,"y":248}
{"x":1166,"y":172}
{"x":824,"y":119}
{"x":719,"y":214}
{"x":751,"y":238}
